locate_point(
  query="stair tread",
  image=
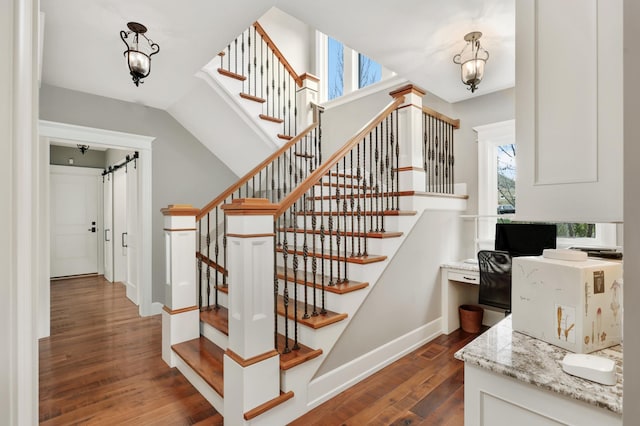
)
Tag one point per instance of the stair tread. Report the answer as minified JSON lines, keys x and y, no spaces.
{"x":296,"y":357}
{"x":360,"y":260}
{"x":205,"y":358}
{"x":285,"y":137}
{"x":389,"y":194}
{"x":270,"y":118}
{"x":340,"y":288}
{"x":252,"y":98}
{"x":362,"y":213}
{"x":216,"y":318}
{"x":303,"y":155}
{"x":314,"y":322}
{"x":231,"y":74}
{"x":378,"y":235}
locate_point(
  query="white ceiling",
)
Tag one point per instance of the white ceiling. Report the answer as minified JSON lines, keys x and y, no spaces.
{"x":415,"y":38}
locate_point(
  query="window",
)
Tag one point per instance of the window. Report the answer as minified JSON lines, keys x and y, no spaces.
{"x":335,"y":68}
{"x":343,"y":69}
{"x":369,"y":71}
{"x":497,"y":200}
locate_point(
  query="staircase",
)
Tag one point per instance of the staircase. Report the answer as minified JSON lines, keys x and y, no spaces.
{"x":332,"y":228}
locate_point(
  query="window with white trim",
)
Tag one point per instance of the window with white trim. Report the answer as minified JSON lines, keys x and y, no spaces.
{"x":497,"y":200}
{"x":343,"y":70}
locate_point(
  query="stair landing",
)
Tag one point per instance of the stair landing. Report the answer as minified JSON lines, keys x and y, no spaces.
{"x":205,"y":358}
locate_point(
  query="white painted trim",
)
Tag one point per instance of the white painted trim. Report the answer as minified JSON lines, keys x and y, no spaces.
{"x":334,"y":382}
{"x":156,"y":308}
{"x":21,"y":379}
{"x":366,"y":91}
{"x":103,"y":137}
{"x":234,"y":103}
{"x":120,"y":140}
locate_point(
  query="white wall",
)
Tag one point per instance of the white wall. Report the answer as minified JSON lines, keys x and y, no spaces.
{"x":294,"y":38}
{"x":184,"y":171}
{"x":631,"y":212}
{"x":407,"y":296}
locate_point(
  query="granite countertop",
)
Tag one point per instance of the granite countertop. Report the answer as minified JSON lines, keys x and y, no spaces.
{"x":461,"y":265}
{"x":524,"y":358}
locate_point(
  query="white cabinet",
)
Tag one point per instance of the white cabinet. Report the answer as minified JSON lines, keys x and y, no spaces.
{"x":569,"y":110}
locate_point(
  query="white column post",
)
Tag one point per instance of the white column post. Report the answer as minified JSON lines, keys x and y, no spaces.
{"x":411,"y":175}
{"x":251,"y":363}
{"x":307,"y":94}
{"x":180,"y":315}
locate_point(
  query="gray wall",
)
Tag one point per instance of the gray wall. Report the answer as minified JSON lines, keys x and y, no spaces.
{"x":60,"y":156}
{"x":631,"y":212}
{"x":184,"y":171}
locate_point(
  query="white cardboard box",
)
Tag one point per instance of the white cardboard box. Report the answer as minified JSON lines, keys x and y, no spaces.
{"x":576,"y":305}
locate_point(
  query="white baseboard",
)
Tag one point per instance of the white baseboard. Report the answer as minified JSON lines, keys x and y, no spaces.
{"x":329,"y":385}
{"x":156,"y":308}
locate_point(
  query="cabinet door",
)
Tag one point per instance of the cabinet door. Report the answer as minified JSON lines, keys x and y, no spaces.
{"x":569,"y":110}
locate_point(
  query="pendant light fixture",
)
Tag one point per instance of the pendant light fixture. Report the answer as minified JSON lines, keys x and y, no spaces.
{"x":138,"y":54}
{"x":472,"y":60}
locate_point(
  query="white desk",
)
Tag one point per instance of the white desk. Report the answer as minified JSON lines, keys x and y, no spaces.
{"x":459,"y":281}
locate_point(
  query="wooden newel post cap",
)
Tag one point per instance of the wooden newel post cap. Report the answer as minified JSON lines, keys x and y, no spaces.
{"x":407,"y":90}
{"x":250,"y":206}
{"x":180,"y":210}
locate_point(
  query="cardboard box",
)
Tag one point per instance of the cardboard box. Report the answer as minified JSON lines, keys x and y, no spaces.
{"x":576,"y":305}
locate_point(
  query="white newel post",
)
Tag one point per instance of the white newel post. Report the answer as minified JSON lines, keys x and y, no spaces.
{"x":251,"y":364}
{"x":411,"y":176}
{"x":180,"y":316}
{"x":306,"y":95}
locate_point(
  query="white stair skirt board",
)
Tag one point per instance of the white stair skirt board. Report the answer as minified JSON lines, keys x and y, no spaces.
{"x":329,"y":385}
{"x":198,"y":382}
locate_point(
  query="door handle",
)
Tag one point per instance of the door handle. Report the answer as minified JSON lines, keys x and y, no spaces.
{"x":106,"y":234}
{"x":123,"y":238}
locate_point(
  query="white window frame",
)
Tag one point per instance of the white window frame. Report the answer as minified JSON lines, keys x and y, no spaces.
{"x":489,"y":137}
{"x":350,"y":70}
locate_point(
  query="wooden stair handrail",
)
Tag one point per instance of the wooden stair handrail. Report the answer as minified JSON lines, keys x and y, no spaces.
{"x":220,"y":198}
{"x":455,"y":122}
{"x":326,"y":166}
{"x":278,"y":53}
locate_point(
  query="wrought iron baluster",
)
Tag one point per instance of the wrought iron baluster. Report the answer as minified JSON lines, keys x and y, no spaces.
{"x":396,"y":174}
{"x":305,"y":258}
{"x":364,"y":192}
{"x":285,"y":294}
{"x":216,"y":252}
{"x":386,"y":164}
{"x":344,"y":218}
{"x":276,"y":231}
{"x":322,"y":236}
{"x":208,"y":242}
{"x":263,"y":62}
{"x":242,"y":63}
{"x":330,"y":222}
{"x":199,"y":262}
{"x":361,"y":196}
{"x":314,"y":258}
{"x":338,"y":214}
{"x":294,"y":217}
{"x":377,"y":181}
{"x":224,"y":250}
{"x":352,"y":204}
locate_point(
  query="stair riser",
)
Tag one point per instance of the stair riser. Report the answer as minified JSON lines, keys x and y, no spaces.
{"x":391,"y":223}
{"x":322,"y":338}
{"x":215,"y":336}
{"x":378,"y":246}
{"x":365,"y":203}
{"x":344,"y":303}
{"x":222,"y":296}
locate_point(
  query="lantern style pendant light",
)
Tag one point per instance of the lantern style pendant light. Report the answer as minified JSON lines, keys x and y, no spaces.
{"x":472,"y":60}
{"x":138,"y":55}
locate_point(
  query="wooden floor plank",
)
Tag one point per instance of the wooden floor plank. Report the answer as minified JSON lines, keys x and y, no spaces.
{"x":102,"y":363}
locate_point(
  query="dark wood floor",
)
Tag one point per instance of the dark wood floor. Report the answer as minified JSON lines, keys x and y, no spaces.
{"x":102,"y":365}
{"x":424,"y":387}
